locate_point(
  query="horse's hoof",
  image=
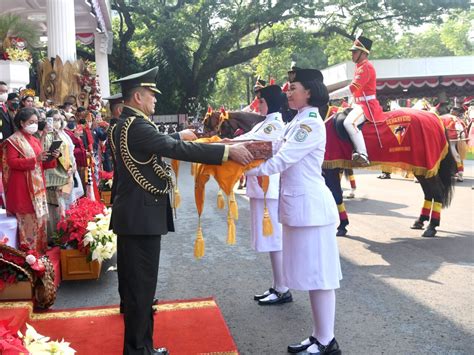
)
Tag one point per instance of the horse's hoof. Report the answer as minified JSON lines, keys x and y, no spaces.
{"x":341,"y":232}
{"x":429,"y":233}
{"x":417,"y":225}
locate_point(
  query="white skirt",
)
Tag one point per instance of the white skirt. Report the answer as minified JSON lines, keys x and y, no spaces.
{"x":311,"y":258}
{"x":260,"y":242}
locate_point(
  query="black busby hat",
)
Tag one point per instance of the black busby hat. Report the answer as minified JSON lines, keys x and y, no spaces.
{"x":298,"y":74}
{"x":146,"y":79}
{"x":13,"y":95}
{"x":362,"y":43}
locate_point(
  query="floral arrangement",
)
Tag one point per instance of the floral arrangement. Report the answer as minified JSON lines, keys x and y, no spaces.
{"x":86,"y":227}
{"x":90,"y":91}
{"x":32,"y":342}
{"x":9,"y":274}
{"x":102,"y":241}
{"x":17,"y":54}
{"x":105,"y":180}
{"x":72,"y":228}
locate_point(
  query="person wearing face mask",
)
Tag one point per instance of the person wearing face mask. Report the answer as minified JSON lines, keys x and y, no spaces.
{"x":23,"y":161}
{"x":80,"y":153}
{"x":58,"y":180}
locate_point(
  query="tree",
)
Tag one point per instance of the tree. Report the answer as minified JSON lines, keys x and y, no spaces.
{"x":191,"y":41}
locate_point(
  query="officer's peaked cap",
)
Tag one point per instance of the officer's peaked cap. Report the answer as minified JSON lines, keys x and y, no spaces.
{"x":146,"y":79}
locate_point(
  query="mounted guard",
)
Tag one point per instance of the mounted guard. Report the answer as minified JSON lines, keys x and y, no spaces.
{"x":365,"y":105}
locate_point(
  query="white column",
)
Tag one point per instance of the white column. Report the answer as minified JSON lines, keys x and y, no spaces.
{"x":101,"y":44}
{"x":61,"y":29}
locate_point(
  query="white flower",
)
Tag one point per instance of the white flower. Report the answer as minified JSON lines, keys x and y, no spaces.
{"x":30,"y":259}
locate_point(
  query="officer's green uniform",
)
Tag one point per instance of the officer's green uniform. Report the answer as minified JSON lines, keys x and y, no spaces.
{"x":141,"y":210}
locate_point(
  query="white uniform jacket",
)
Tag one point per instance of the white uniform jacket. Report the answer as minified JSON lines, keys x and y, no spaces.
{"x":304,"y":198}
{"x":269,"y":130}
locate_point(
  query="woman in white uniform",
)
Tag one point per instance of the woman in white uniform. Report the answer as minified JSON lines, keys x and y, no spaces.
{"x":270,"y":100}
{"x":307,"y":210}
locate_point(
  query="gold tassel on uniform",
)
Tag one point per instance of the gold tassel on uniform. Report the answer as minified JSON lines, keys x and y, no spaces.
{"x":233,"y":208}
{"x":220,"y":200}
{"x":267,"y":223}
{"x":230,"y":230}
{"x":199,"y":244}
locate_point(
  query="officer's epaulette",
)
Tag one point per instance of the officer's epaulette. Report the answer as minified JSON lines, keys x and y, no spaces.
{"x":306,"y":127}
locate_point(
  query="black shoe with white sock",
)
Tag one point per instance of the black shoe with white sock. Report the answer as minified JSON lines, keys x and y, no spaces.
{"x":313,"y":346}
{"x":265,"y":294}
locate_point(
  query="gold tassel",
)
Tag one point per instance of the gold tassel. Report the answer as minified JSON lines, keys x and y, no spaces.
{"x":199,"y":244}
{"x":193,"y":169}
{"x":177,"y":198}
{"x":220,"y":200}
{"x":267,"y":223}
{"x":230,"y":230}
{"x":233,"y":208}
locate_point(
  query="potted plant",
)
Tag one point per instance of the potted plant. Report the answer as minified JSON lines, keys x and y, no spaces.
{"x":105,"y":186}
{"x":85,"y":240}
{"x":15,"y":58}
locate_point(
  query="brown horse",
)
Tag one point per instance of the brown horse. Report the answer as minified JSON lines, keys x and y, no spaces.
{"x":229,"y":124}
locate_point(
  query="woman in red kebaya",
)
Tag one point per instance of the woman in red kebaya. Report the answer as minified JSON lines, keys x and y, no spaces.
{"x":23,"y":161}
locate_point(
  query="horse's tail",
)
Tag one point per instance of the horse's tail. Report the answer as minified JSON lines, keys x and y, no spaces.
{"x":447,"y":169}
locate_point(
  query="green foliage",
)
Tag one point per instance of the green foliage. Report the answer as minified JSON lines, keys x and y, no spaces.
{"x":205,"y":49}
{"x":15,"y":26}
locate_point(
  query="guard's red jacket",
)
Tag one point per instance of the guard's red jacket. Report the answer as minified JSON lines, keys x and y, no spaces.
{"x":364,"y":83}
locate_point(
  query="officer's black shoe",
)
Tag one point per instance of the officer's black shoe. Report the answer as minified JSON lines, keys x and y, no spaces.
{"x":305,"y":344}
{"x":265,"y":294}
{"x":160,"y":351}
{"x":281,"y":298}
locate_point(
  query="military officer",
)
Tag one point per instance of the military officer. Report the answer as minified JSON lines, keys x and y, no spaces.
{"x":270,"y":101}
{"x":307,"y":210}
{"x":141,"y":210}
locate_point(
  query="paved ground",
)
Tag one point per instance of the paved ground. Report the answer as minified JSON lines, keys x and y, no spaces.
{"x":401,"y":294}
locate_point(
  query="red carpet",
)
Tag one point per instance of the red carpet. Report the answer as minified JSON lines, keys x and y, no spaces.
{"x":184,"y":327}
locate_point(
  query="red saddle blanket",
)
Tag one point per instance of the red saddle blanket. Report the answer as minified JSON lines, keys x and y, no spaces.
{"x":410,"y":140}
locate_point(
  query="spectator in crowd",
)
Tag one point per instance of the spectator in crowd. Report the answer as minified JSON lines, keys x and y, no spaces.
{"x":13,"y":104}
{"x":27,"y":101}
{"x":58,"y":179}
{"x":74,"y":131}
{"x":4,"y":117}
{"x":23,"y":161}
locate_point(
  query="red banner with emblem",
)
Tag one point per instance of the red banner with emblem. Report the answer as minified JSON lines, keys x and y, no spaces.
{"x":410,"y":140}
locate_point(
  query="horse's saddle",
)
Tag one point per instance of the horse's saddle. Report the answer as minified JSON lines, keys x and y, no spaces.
{"x":339,"y":124}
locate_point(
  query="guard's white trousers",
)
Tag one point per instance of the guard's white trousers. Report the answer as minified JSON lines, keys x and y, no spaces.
{"x":353,"y":119}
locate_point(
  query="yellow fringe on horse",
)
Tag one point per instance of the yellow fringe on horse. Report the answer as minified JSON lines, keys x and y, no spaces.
{"x":199,"y":244}
{"x":193,"y":169}
{"x":233,"y":208}
{"x":220,"y":200}
{"x":230,"y":230}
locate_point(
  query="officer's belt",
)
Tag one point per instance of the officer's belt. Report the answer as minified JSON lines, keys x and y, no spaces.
{"x":365,"y":99}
